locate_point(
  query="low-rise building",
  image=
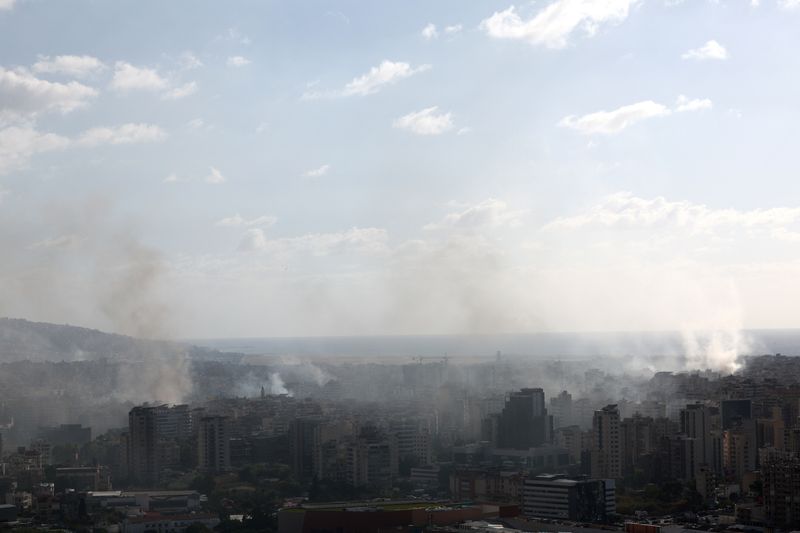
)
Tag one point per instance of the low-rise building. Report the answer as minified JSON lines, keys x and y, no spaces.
{"x":167,"y":523}
{"x":558,"y":497}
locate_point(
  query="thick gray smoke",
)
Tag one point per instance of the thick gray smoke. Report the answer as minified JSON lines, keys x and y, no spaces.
{"x":86,"y":263}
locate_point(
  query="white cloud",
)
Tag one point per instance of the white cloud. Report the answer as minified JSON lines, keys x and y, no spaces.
{"x":387,"y":73}
{"x":553,"y":25}
{"x":125,"y":134}
{"x":425,"y":122}
{"x":237,"y":221}
{"x":463,"y":131}
{"x":695,"y":104}
{"x":625,"y":211}
{"x":488,"y":214}
{"x":6,"y":4}
{"x":19,"y":144}
{"x":238,"y":61}
{"x":76,"y":66}
{"x":611,"y":122}
{"x":174,"y":178}
{"x":183,"y":91}
{"x":359,"y":240}
{"x":189,"y":61}
{"x":789,"y":4}
{"x":452,"y":30}
{"x":429,"y":32}
{"x":130,"y":78}
{"x":23,"y":95}
{"x":317,"y":172}
{"x":711,"y":50}
{"x":215,"y":177}
{"x":196,"y":123}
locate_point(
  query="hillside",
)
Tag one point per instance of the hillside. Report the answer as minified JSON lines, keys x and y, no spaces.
{"x":22,"y":340}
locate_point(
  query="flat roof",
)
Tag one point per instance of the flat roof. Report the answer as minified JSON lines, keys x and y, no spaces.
{"x":377,"y":506}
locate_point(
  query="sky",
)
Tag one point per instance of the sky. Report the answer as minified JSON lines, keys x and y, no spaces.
{"x":261,"y":168}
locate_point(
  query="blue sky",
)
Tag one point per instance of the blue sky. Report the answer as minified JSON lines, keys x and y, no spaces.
{"x":244,"y":168}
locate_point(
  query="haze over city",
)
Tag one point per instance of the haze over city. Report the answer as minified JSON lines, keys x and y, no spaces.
{"x":421,"y":267}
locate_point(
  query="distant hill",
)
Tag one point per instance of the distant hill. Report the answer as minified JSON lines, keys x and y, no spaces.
{"x":22,"y":340}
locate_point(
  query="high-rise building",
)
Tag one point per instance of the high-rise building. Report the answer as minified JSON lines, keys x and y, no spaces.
{"x":524,"y":422}
{"x":152,"y":446}
{"x":45,"y":450}
{"x":606,"y":452}
{"x":143,"y":467}
{"x":174,"y":422}
{"x":739,"y":452}
{"x":304,"y":443}
{"x":696,"y":424}
{"x":780,"y":473}
{"x":571,"y":439}
{"x":637,"y":438}
{"x":371,"y":463}
{"x":413,"y":440}
{"x":213,"y":444}
{"x":561,"y":409}
{"x":679,"y":452}
{"x":734,"y":411}
{"x":771,"y":432}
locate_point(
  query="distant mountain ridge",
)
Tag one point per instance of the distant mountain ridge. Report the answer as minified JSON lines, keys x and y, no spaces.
{"x":23,"y":340}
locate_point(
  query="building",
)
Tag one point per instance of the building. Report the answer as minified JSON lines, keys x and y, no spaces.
{"x":143,"y":466}
{"x":427,"y":476}
{"x":681,"y":462}
{"x":413,"y":441}
{"x":780,"y":472}
{"x":571,"y":438}
{"x":45,"y":450}
{"x":771,"y":432}
{"x":561,"y":409}
{"x":696,"y":423}
{"x":558,"y":497}
{"x":739,"y":453}
{"x":374,"y":517}
{"x":606,"y":451}
{"x":213,"y":444}
{"x":83,"y":478}
{"x":167,"y":523}
{"x":174,"y":422}
{"x":732,"y":411}
{"x":304,"y":444}
{"x":637,"y":438}
{"x":152,"y":447}
{"x":491,"y":485}
{"x":141,"y":502}
{"x":524,"y":422}
{"x":373,"y":464}
{"x":66,"y":435}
